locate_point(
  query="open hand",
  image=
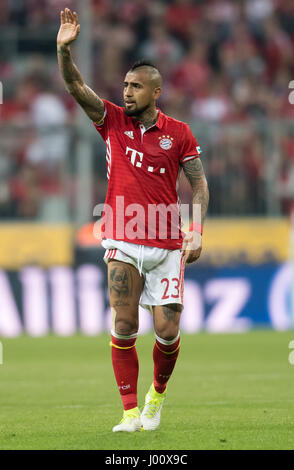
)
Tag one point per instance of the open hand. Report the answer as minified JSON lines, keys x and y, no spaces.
{"x":69,"y":27}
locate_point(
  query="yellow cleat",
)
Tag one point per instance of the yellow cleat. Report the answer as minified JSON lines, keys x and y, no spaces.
{"x":150,"y":416}
{"x":130,"y":421}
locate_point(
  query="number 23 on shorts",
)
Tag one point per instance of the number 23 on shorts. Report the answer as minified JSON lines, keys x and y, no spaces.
{"x":171,"y":288}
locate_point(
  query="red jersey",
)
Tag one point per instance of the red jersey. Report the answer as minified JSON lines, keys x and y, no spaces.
{"x":141,"y":204}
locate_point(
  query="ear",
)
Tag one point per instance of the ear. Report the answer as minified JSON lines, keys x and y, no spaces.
{"x":157,"y":93}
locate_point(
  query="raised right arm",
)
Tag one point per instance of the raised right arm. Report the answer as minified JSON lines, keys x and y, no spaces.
{"x":74,"y":83}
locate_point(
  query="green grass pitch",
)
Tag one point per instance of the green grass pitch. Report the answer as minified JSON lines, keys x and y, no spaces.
{"x":229,"y":391}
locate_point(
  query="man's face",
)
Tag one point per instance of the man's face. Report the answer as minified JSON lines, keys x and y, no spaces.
{"x":139,"y":92}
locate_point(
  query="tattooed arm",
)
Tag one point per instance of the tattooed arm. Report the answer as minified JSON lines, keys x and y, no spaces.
{"x":194,"y":172}
{"x":74,"y":83}
{"x":192,"y":244}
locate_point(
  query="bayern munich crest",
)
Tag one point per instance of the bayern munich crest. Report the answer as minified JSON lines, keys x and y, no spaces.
{"x":166,"y":142}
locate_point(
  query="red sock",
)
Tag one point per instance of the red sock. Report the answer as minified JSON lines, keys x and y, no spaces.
{"x":126,"y":369}
{"x":164,"y":357}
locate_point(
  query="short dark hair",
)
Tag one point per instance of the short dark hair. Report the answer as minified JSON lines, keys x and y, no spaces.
{"x":142,"y":63}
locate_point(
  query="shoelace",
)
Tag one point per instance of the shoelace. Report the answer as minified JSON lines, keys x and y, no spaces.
{"x":129,"y":416}
{"x":153,"y":406}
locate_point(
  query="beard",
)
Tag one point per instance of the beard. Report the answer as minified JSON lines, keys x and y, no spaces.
{"x":137,"y":111}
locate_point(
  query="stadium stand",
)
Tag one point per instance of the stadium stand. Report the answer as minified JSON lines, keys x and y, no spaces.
{"x":227,"y":66}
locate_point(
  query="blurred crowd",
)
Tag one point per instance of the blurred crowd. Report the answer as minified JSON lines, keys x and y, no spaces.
{"x":227,"y":65}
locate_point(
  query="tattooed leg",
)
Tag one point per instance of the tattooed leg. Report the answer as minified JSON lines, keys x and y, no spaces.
{"x":125,"y":286}
{"x":166,"y":320}
{"x":121,"y":284}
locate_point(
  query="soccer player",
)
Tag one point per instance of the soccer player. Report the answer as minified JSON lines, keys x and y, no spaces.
{"x":146,"y":254}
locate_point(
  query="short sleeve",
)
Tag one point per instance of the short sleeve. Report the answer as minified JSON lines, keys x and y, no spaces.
{"x":190,"y":148}
{"x":112,"y":117}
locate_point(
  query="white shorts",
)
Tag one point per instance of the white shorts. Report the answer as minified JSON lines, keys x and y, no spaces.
{"x":163,"y":270}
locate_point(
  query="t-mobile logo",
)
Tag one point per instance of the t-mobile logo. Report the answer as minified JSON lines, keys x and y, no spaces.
{"x":136,"y":159}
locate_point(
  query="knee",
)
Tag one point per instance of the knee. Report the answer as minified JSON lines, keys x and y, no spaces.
{"x":126,"y":327}
{"x":167,"y":320}
{"x":168,"y":333}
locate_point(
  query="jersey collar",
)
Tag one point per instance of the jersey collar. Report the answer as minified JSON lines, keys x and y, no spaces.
{"x":159,"y":122}
{"x":160,"y":119}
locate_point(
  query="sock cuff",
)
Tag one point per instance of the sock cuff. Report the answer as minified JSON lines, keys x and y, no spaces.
{"x":165,"y":342}
{"x":126,"y":343}
{"x":117,"y":336}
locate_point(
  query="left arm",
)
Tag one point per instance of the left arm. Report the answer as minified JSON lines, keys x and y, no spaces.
{"x":192,"y":244}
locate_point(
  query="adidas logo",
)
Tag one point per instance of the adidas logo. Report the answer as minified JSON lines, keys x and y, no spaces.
{"x":129,"y":134}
